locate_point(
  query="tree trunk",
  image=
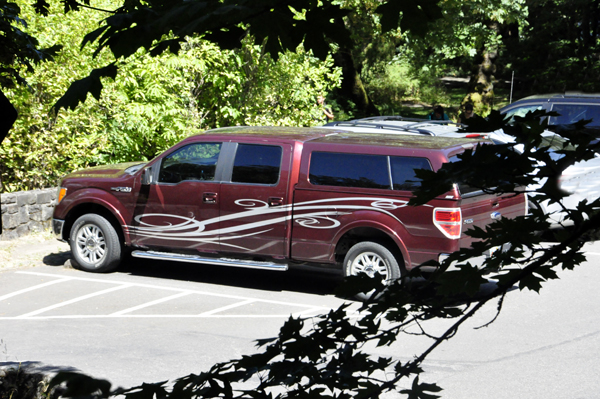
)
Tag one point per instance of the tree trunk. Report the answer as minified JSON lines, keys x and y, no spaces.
{"x":481,"y":83}
{"x":352,"y":87}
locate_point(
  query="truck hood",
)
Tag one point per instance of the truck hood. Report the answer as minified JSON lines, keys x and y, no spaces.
{"x":108,"y":171}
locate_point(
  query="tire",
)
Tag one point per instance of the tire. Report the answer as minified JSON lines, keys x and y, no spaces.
{"x":370,"y":258}
{"x":95,"y":245}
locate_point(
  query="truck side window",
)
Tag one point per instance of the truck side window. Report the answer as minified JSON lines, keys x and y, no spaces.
{"x":257,"y":164}
{"x":192,"y":162}
{"x":403,"y":171}
{"x":349,"y":170}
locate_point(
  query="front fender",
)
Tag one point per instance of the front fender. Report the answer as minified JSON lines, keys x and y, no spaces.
{"x":75,"y":204}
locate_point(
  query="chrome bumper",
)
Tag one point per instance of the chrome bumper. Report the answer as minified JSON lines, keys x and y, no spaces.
{"x":57,"y":229}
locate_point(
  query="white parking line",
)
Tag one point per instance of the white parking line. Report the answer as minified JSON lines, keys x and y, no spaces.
{"x":147,"y":304}
{"x":159,"y":287}
{"x":233,"y":305}
{"x":35,"y":287}
{"x":126,"y":313}
{"x":81,"y":298}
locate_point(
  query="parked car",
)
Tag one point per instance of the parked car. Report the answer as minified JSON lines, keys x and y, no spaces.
{"x":571,"y":107}
{"x":581,"y":179}
{"x":270,"y":198}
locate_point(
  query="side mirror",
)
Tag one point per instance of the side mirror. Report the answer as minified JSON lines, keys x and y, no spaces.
{"x":147,"y":176}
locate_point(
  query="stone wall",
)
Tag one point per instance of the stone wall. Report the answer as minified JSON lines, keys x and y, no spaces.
{"x":26,"y":211}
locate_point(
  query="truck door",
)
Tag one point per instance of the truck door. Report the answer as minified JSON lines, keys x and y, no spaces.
{"x":255,"y":212}
{"x":182,"y":209}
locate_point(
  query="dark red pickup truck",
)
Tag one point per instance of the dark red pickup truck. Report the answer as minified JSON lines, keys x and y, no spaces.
{"x":271,"y":197}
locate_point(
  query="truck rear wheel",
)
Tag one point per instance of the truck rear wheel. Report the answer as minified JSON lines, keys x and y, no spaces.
{"x":95,"y":244}
{"x":371,"y":258}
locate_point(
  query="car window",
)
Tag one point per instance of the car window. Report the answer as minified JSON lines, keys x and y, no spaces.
{"x":192,"y":162}
{"x":522,"y":111}
{"x":571,"y":113}
{"x":257,"y":164}
{"x":403,"y":171}
{"x":349,"y":170}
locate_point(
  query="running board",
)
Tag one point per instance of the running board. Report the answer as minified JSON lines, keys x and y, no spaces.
{"x":210,"y":261}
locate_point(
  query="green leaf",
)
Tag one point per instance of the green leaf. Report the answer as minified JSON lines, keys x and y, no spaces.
{"x":78,"y":91}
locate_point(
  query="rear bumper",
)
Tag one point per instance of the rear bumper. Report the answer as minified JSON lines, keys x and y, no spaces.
{"x":476,"y":261}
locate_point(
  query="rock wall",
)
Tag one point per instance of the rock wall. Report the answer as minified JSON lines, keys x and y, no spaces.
{"x":26,"y":211}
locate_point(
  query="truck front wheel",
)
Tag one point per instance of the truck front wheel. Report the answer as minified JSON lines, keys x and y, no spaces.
{"x":371,"y":258}
{"x":95,"y":244}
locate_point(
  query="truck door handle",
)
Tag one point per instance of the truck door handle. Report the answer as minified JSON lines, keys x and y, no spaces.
{"x":275,"y":201}
{"x":209,"y":198}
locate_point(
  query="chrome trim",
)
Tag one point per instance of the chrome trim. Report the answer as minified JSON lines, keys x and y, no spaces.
{"x":210,"y":261}
{"x":121,"y":189}
{"x":57,"y":229}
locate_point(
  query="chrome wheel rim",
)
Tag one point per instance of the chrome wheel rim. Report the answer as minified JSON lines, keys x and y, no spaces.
{"x":90,"y":244}
{"x":369,"y":263}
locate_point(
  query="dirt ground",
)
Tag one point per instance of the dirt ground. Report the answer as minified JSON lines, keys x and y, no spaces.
{"x":33,"y":249}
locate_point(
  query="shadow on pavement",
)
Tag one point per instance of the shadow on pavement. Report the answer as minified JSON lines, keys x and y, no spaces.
{"x":57,"y":259}
{"x":320,"y":282}
{"x":297,"y":279}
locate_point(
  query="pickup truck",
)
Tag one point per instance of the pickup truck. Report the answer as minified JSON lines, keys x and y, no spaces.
{"x":274,"y":197}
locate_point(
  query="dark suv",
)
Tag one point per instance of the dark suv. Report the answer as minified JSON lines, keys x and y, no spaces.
{"x":570,"y":106}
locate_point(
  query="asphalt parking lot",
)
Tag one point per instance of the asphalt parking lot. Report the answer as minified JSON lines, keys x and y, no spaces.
{"x":155,"y":321}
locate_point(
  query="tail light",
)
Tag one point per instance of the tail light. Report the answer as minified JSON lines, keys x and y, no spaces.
{"x":448,"y":221}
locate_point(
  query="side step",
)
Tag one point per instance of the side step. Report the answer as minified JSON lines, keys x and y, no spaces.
{"x":210,"y":261}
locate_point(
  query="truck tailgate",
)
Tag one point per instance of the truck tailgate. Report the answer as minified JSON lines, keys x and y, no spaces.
{"x":481,"y":210}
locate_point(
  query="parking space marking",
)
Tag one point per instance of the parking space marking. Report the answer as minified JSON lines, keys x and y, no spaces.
{"x":74,"y":300}
{"x":223,"y":308}
{"x":35,"y":287}
{"x":148,"y":304}
{"x":179,"y":292}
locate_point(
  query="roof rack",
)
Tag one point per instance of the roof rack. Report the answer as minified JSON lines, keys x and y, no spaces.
{"x":418,"y":121}
{"x":383,"y":126}
{"x":581,"y":94}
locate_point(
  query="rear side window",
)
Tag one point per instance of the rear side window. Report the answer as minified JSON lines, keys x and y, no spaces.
{"x":365,"y":171}
{"x":192,"y":162}
{"x":349,"y":170}
{"x":257,"y":164}
{"x":403,"y":171}
{"x":571,"y":113}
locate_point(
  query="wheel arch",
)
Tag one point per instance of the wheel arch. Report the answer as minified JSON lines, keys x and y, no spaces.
{"x":99,"y":209}
{"x":380,"y":234}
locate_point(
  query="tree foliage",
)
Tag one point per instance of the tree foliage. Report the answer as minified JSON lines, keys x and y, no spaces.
{"x":18,"y":49}
{"x":328,"y":355}
{"x":277,"y":25}
{"x":152,"y":103}
{"x":472,"y":31}
{"x":560,"y":47}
